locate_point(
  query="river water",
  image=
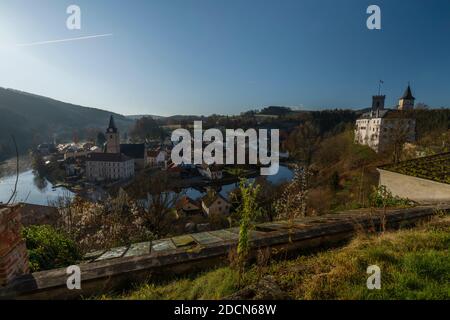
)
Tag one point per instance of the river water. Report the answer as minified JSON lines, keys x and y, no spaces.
{"x":32,"y":189}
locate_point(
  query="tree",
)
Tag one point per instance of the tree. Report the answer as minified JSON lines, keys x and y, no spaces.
{"x":303,"y":142}
{"x":292,"y":203}
{"x":422,"y":106}
{"x":334,"y":182}
{"x":160,"y":211}
{"x":146,"y":128}
{"x":101,"y":139}
{"x":398,"y":135}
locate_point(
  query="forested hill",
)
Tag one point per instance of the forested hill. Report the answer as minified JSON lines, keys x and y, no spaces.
{"x":34,"y":119}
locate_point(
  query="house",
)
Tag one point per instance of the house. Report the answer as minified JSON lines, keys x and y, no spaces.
{"x":215,"y":203}
{"x":46,"y":148}
{"x":380,"y":127}
{"x":156,"y":158}
{"x":424,"y":180}
{"x":75,"y":151}
{"x":109,"y":167}
{"x":137,"y":152}
{"x":187,"y":205}
{"x":212,"y":172}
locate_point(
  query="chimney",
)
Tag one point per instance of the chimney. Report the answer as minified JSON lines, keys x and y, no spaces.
{"x":13,"y":252}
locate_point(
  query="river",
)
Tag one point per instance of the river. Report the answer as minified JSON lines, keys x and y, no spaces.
{"x":32,"y":189}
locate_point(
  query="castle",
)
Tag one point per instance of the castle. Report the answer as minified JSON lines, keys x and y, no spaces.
{"x":380,"y":127}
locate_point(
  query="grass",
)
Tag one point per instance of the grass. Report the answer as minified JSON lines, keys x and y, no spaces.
{"x":415,"y":264}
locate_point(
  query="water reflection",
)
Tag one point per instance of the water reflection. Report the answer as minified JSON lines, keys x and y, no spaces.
{"x":31,"y":189}
{"x":36,"y":190}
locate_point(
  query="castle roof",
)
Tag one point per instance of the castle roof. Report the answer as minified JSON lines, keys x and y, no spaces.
{"x":385,"y":113}
{"x":408,"y":94}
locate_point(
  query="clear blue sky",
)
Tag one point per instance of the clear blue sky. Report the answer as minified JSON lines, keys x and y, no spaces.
{"x":226,"y":56}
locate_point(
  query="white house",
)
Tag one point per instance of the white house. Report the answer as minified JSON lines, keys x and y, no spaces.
{"x":212,"y":172}
{"x":156,"y":158}
{"x":214,"y":203}
{"x":109,"y":167}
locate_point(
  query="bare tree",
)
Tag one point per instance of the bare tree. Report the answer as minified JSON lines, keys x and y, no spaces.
{"x":302,"y":144}
{"x":160,"y":210}
{"x":13,"y":195}
{"x":400,"y":133}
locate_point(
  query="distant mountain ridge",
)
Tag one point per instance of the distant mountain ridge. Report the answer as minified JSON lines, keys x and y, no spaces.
{"x":33,"y":119}
{"x":139,"y":116}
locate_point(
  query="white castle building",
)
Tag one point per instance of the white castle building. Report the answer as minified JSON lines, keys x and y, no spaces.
{"x":379,"y":127}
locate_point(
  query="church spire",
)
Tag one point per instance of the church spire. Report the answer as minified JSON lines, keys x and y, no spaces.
{"x":112,"y":126}
{"x":112,"y":137}
{"x":408,"y":94}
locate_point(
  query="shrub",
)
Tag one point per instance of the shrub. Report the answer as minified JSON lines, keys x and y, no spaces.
{"x":381,"y":197}
{"x":49,"y":248}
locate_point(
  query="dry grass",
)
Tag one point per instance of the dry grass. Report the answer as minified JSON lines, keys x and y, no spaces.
{"x":415,"y":264}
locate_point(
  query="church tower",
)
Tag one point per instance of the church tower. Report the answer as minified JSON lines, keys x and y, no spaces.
{"x":378,"y":102}
{"x":112,"y":137}
{"x":406,"y":102}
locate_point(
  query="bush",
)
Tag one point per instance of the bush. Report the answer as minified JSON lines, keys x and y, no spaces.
{"x":49,"y":248}
{"x":381,"y":197}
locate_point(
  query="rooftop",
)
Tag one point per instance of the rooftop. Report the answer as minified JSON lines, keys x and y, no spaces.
{"x":435,"y":168}
{"x":107,"y":157}
{"x":408,"y":94}
{"x":135,"y":151}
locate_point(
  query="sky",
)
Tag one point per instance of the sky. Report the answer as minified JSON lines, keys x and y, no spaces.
{"x":172,"y":57}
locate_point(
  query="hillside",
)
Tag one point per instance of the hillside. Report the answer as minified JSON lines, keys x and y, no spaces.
{"x":34,"y":119}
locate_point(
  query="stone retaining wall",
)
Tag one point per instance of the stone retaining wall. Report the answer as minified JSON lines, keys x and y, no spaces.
{"x":118,"y":267}
{"x":13,"y":253}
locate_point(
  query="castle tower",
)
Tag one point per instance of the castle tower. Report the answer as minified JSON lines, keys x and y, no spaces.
{"x":406,"y":102}
{"x":378,"y":102}
{"x":112,"y":137}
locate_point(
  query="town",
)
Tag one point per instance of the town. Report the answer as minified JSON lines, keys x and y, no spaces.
{"x":240,"y":150}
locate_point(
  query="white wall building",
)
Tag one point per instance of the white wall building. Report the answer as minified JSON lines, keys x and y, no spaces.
{"x":156,"y":158}
{"x":109,"y":167}
{"x":379,"y":127}
{"x":215,"y":204}
{"x":212,"y":172}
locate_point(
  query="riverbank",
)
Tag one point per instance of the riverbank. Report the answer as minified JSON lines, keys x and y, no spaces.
{"x":9,"y":167}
